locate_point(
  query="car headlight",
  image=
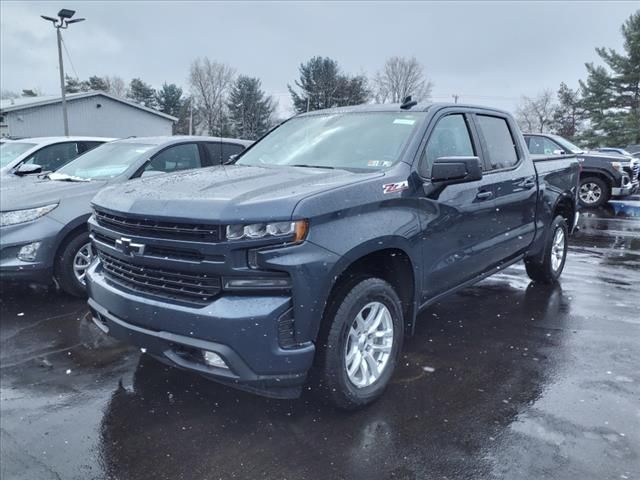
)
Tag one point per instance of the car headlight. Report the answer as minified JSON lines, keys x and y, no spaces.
{"x":616,"y":166}
{"x":296,"y":230}
{"x":21,"y":216}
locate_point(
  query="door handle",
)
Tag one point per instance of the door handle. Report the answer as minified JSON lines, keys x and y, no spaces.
{"x":528,"y":183}
{"x":484,"y":195}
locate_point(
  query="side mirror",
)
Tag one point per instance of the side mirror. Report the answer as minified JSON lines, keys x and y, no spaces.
{"x":559,"y":152}
{"x":28,"y":169}
{"x":453,"y":170}
{"x":151,"y":173}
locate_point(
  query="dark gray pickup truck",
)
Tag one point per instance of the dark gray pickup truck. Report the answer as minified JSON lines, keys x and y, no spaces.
{"x":602,"y":174}
{"x":308,"y":259}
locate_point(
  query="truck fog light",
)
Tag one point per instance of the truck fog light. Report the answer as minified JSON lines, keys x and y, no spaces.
{"x":28,"y":252}
{"x":214,"y":360}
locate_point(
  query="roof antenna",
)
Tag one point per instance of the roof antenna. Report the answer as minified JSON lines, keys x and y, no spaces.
{"x":407,"y":103}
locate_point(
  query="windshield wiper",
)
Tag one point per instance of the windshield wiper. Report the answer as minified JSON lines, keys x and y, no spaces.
{"x":63,"y":177}
{"x":312,"y":166}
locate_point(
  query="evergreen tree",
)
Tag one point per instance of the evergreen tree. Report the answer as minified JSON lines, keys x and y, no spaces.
{"x":169,"y":99}
{"x":611,"y":96}
{"x":250,"y":110}
{"x":323,"y":85}
{"x":142,"y":93}
{"x":74,"y":85}
{"x":98,"y":83}
{"x":568,"y":114}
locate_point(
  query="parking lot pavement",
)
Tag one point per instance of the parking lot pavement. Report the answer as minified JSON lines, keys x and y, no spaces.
{"x":503,"y":380}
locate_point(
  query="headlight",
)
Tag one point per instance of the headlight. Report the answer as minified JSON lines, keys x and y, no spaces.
{"x":616,"y":166}
{"x":297,"y":230}
{"x":22,"y":216}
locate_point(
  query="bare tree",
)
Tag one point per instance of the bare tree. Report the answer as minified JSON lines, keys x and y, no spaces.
{"x":536,"y":114}
{"x":210,"y":82}
{"x":399,"y":78}
{"x":116,"y":86}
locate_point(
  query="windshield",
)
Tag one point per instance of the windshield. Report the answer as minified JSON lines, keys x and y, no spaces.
{"x":567,"y":145}
{"x":359,"y":141}
{"x":11,"y":150}
{"x":106,"y":161}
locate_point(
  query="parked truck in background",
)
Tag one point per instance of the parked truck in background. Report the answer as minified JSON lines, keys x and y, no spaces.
{"x":309,"y":258}
{"x":604,"y":174}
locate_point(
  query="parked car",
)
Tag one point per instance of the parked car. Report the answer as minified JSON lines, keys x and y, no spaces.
{"x":321,"y":243}
{"x":604,"y":175}
{"x":46,"y":154}
{"x":43,"y":231}
{"x":619,"y":151}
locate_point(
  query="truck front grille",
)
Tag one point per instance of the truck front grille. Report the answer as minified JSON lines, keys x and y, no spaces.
{"x":158,"y":229}
{"x":187,"y":287}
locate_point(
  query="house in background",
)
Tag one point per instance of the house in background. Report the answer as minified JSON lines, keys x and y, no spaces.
{"x":97,"y":114}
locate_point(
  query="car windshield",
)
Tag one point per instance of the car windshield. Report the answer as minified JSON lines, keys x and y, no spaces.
{"x":106,"y":161}
{"x":358,"y":141}
{"x":567,"y":145}
{"x":11,"y":150}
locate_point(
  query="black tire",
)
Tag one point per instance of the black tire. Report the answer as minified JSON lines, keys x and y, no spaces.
{"x":542,"y":269}
{"x":350,"y":299}
{"x":64,"y":271}
{"x":598,"y":186}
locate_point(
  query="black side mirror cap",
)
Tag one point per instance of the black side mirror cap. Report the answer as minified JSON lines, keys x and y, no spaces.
{"x":454,"y":170}
{"x":28,"y":169}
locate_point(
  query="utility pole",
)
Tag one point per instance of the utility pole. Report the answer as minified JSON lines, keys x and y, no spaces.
{"x":455,"y":97}
{"x":62,"y":23}
{"x":190,"y":116}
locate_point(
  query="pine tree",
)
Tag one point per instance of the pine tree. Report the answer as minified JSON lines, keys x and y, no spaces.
{"x":323,"y":85}
{"x":169,"y":99}
{"x":250,"y":110}
{"x":568,"y":115}
{"x":97,"y":83}
{"x":611,"y":96}
{"x":74,"y":85}
{"x":142,"y":93}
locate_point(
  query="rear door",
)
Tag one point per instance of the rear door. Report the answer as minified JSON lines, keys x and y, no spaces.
{"x":511,"y":176}
{"x":457,"y":223}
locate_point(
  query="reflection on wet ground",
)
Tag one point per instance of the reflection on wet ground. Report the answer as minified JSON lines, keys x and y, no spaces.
{"x":504,"y":380}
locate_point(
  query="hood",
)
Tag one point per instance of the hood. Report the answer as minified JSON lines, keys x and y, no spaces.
{"x":233,"y":193}
{"x":36,"y":192}
{"x":604,"y":156}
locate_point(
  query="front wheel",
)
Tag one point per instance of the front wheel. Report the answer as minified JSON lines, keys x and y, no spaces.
{"x":359,"y":351}
{"x":549,"y":268}
{"x":73,"y":262}
{"x":593,"y":192}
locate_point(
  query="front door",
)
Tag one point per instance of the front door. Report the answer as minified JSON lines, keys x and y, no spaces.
{"x":457,"y":224}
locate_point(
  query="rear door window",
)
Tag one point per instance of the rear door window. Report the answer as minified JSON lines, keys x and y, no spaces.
{"x":498,"y":141}
{"x":176,"y":158}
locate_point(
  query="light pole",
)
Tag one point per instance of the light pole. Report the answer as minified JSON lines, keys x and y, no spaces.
{"x":62,"y":22}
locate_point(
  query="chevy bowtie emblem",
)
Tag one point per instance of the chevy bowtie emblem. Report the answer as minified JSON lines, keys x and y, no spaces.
{"x":126,"y":246}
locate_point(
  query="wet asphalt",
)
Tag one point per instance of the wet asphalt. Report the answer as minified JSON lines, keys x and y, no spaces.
{"x":506,"y":379}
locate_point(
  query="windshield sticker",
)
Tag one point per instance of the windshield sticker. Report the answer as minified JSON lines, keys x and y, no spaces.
{"x":404,"y":121}
{"x":379,"y":163}
{"x":395,"y":187}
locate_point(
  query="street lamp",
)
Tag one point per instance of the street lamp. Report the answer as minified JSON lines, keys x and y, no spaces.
{"x":62,"y":22}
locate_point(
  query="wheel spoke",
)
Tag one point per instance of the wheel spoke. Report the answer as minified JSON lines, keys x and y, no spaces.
{"x":353,"y":367}
{"x":372,"y":366}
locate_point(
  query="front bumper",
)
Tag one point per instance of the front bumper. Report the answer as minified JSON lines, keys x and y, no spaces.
{"x":13,"y":237}
{"x":243,"y":330}
{"x":627,"y":188}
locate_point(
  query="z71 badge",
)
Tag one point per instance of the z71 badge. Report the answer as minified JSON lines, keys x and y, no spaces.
{"x":395,"y":187}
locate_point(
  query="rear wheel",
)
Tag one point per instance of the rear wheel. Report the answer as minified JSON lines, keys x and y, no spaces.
{"x":549,"y":268}
{"x":593,"y":192}
{"x":73,"y":262}
{"x":360,"y":348}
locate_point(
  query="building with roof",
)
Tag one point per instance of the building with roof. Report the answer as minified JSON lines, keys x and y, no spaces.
{"x":90,"y":114}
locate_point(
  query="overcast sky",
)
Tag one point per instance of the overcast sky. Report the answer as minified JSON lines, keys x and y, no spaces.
{"x":488,"y":53}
